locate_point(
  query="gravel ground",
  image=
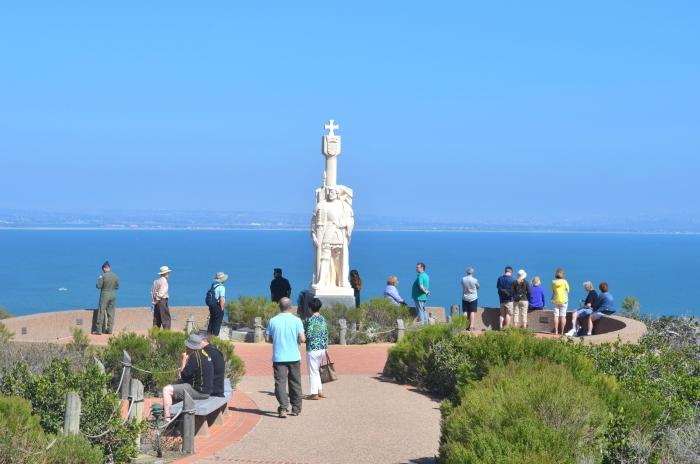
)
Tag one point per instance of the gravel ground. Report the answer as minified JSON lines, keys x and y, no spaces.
{"x":364,"y":419}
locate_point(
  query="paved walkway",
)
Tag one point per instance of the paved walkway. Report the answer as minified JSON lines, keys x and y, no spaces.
{"x":364,"y":419}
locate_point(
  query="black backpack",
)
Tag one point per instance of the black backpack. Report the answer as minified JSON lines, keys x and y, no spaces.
{"x":210,"y":299}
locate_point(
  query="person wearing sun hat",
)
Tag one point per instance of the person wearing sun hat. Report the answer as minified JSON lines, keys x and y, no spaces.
{"x":216,"y":308}
{"x":196,"y":378}
{"x":520,"y":291}
{"x":159,"y":299}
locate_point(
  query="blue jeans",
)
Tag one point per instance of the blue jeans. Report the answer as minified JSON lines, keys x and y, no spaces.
{"x":420,"y":310}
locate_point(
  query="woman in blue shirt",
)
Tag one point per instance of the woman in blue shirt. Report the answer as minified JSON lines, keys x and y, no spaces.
{"x":537,"y":295}
{"x":316,"y":345}
{"x":604,"y":306}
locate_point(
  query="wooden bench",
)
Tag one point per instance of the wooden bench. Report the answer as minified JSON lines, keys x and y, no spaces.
{"x":208,"y":412}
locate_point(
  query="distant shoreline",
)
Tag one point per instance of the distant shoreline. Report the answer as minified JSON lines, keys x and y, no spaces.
{"x":378,"y":229}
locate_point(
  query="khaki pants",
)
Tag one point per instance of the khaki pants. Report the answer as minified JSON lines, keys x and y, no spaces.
{"x":520,"y":310}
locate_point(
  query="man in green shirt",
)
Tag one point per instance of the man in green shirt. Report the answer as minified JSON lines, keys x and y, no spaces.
{"x":107,"y":283}
{"x":420,"y":292}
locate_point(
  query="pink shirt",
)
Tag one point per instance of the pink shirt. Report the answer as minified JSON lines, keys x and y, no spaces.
{"x":159,"y":290}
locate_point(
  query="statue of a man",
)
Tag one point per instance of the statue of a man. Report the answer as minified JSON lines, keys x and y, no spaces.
{"x":331,"y":228}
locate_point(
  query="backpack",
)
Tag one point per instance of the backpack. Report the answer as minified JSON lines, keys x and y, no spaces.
{"x":210,"y":299}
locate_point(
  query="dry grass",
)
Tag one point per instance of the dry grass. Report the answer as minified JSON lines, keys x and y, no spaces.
{"x":37,"y":355}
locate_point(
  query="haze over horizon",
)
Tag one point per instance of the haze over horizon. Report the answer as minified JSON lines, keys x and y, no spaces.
{"x":453,"y":111}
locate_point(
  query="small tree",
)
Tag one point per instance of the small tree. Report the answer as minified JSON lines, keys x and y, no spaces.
{"x":630,"y":307}
{"x":5,"y":314}
{"x":80,"y":341}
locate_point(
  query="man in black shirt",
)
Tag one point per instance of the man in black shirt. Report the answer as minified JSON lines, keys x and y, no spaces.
{"x":217,"y":359}
{"x":279,"y":287}
{"x":196,"y":378}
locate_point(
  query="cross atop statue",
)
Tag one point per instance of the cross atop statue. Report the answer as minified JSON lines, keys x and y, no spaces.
{"x":330,"y":127}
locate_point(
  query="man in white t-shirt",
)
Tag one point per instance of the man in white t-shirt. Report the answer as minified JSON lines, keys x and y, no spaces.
{"x":285,"y":331}
{"x":469,"y":297}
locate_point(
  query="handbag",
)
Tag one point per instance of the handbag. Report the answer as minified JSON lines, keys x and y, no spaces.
{"x":327,"y":371}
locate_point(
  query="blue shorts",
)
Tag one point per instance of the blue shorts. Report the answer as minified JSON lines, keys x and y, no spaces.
{"x":469,"y":306}
{"x":588,"y":311}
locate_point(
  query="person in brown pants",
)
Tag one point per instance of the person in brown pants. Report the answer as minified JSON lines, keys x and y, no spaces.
{"x":159,"y":299}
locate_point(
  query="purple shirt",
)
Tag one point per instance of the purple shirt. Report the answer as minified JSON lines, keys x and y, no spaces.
{"x":537,"y":297}
{"x":391,"y":292}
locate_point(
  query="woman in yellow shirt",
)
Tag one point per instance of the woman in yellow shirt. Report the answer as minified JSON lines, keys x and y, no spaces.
{"x":560,"y":301}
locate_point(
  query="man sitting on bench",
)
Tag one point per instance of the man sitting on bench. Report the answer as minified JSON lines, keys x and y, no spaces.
{"x":217,"y":359}
{"x":196,"y":378}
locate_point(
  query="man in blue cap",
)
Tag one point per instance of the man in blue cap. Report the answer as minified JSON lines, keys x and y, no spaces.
{"x":107,"y":283}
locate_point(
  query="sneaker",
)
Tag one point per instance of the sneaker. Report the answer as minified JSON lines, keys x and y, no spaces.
{"x":320,"y":393}
{"x":588,"y":334}
{"x":572,"y":333}
{"x":282,"y":413}
{"x":312,"y":397}
{"x":293,"y":413}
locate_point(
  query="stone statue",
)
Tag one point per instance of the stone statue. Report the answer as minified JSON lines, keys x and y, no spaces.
{"x":331,"y":225}
{"x":331,"y":231}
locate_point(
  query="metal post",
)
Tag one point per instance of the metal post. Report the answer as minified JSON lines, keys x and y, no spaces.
{"x":189,"y":327}
{"x":188,"y":424}
{"x":257,"y":330}
{"x":343,"y":324}
{"x":399,"y":329}
{"x":126,"y":380}
{"x":71,"y":420}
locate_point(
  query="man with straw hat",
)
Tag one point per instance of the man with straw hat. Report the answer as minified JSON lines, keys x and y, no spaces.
{"x":196,"y":378}
{"x":216,"y":297}
{"x":159,"y":299}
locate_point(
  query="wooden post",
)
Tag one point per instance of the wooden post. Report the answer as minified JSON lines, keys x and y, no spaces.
{"x":189,"y":327}
{"x":399,"y":329}
{"x":257,"y":330}
{"x":431,"y":318}
{"x":102,"y":369}
{"x":188,"y":424}
{"x":71,"y":420}
{"x":136,"y":393}
{"x":126,"y":380}
{"x":343,"y":324}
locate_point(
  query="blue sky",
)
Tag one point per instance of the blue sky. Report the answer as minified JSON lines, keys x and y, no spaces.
{"x":462,"y":111}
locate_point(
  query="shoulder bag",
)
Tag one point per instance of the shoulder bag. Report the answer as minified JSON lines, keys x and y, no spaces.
{"x":327,"y":371}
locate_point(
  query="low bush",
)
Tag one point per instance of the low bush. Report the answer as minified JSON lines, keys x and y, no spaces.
{"x":5,"y":314}
{"x":339,"y":311}
{"x":80,"y":342}
{"x":100,"y":407}
{"x":379,"y":316}
{"x":247,"y":308}
{"x":235,"y":367}
{"x":22,"y":440}
{"x":531,"y":411}
{"x":37,"y":356}
{"x":5,"y":334}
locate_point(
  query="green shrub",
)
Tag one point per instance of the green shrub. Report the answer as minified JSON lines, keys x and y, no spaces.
{"x":166,"y":349}
{"x":630,"y":307}
{"x":380,"y":315}
{"x":80,"y":341}
{"x":5,"y":334}
{"x":139,"y":349}
{"x":74,"y":449}
{"x":333,"y":314}
{"x":530,"y":411}
{"x":235,"y":367}
{"x":247,"y":308}
{"x":5,"y":314}
{"x":300,"y":302}
{"x":37,"y":355}
{"x":100,"y":408}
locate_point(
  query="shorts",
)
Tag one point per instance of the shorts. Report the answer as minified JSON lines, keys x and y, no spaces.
{"x":507,"y":308}
{"x":520,"y":308}
{"x":179,"y":390}
{"x":560,"y":309}
{"x":469,"y":306}
{"x":588,"y":311}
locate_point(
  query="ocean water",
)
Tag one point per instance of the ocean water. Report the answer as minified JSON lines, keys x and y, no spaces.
{"x":34,"y":264}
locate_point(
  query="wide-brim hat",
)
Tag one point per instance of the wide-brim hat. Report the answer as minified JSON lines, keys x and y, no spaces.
{"x":194,"y":342}
{"x":220,"y":277}
{"x":164,"y":270}
{"x":521,"y":274}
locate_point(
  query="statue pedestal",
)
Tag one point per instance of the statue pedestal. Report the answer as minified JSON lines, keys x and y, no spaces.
{"x":328,"y":296}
